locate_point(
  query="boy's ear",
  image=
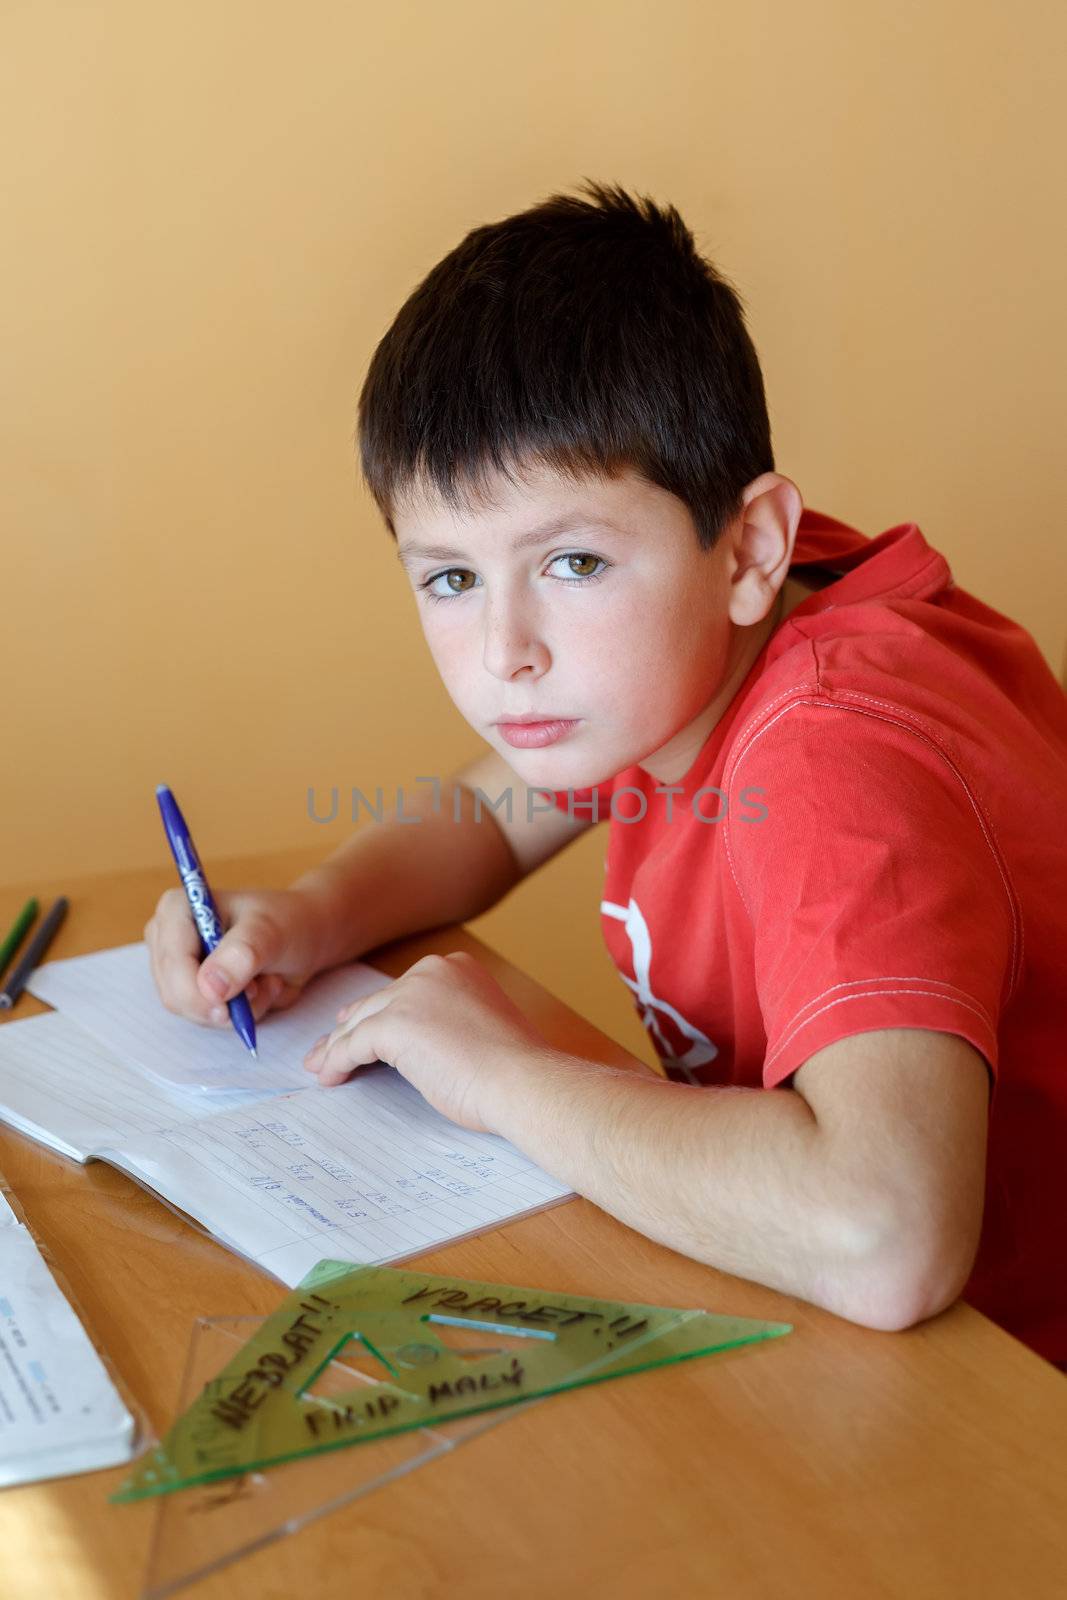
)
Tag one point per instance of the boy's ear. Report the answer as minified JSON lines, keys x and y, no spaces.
{"x":763,"y":537}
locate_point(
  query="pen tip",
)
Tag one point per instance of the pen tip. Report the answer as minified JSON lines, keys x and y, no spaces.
{"x":255,"y":1055}
{"x":161,"y":788}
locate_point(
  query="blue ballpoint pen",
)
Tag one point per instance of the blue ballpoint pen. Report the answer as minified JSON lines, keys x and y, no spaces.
{"x":205,"y":913}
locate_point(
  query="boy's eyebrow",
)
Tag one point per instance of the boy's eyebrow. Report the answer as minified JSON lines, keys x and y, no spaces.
{"x":541,"y":535}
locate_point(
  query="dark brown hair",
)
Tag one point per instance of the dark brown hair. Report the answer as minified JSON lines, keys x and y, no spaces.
{"x":587,"y":334}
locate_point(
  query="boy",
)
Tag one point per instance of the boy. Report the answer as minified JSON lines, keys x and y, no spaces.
{"x":834,"y":784}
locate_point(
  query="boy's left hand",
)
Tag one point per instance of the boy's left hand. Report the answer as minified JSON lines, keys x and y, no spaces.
{"x":446,"y":1025}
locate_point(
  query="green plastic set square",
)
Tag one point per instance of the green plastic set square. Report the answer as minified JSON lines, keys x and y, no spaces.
{"x":262,"y":1409}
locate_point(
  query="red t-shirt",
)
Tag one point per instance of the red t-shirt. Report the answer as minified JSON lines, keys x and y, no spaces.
{"x":872,"y":836}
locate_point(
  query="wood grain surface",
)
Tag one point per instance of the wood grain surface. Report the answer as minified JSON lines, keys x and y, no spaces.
{"x":836,"y":1462}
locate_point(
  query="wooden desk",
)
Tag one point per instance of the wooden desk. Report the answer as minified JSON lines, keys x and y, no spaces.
{"x":837,"y":1462}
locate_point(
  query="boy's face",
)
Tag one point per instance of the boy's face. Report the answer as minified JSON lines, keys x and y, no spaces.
{"x":642,"y":648}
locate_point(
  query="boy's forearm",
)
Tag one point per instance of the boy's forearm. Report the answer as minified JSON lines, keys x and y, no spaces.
{"x":738,"y":1178}
{"x":395,"y":878}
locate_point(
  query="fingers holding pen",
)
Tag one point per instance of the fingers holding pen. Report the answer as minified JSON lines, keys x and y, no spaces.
{"x":262,"y":994}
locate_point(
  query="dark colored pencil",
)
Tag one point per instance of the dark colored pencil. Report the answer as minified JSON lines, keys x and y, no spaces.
{"x":33,"y":953}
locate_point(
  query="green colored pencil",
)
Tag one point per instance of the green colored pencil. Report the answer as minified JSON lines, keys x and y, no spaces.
{"x":14,"y":938}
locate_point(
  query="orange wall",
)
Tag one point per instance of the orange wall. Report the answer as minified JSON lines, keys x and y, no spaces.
{"x":216,"y":210}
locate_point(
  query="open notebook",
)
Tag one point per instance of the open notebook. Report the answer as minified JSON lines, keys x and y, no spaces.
{"x":111,"y":993}
{"x":367,"y":1171}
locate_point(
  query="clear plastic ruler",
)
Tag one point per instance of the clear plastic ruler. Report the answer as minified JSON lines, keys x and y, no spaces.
{"x":400,"y":1363}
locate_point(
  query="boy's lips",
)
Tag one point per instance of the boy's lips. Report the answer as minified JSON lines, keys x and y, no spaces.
{"x":517,"y":720}
{"x":533,"y":733}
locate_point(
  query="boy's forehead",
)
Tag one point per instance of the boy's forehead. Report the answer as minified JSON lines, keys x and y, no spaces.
{"x":541,"y":502}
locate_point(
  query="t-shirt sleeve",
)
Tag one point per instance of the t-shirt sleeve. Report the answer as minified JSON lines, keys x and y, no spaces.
{"x":876,"y":894}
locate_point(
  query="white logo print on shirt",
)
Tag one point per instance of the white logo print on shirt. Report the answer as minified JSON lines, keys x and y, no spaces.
{"x":702,"y":1050}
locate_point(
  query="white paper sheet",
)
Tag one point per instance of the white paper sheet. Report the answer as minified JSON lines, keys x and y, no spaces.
{"x":61,"y":1086}
{"x":111,"y":995}
{"x":365,"y":1172}
{"x":59,"y":1410}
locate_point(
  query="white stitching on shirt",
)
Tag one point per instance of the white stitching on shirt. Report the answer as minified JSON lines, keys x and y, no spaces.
{"x":727,"y":778}
{"x":1018,"y":927}
{"x":797,"y":688}
{"x":950,"y":999}
{"x":855,"y":983}
{"x":1017,"y":935}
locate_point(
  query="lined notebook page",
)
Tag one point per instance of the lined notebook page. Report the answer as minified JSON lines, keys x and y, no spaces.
{"x":112,"y":995}
{"x":366,"y":1172}
{"x":59,"y":1085}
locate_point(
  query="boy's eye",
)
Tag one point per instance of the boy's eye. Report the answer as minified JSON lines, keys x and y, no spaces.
{"x":581,"y":559}
{"x":454,"y":577}
{"x":454,"y":573}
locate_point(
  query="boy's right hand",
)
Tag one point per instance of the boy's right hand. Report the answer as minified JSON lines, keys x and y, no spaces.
{"x":267,"y":951}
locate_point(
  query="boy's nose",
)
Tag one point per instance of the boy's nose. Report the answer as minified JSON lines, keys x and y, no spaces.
{"x":511,"y":646}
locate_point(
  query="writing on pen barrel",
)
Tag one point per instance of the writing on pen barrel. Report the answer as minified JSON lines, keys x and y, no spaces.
{"x":34,"y":951}
{"x":202,"y":905}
